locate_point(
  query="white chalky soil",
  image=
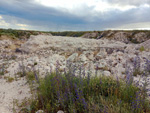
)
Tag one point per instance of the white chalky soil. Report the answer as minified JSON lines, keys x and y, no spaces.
{"x":11,"y":91}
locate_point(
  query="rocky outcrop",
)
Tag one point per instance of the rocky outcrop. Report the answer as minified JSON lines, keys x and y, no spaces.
{"x":90,"y":35}
{"x":123,"y":36}
{"x":67,"y":44}
{"x":146,"y":45}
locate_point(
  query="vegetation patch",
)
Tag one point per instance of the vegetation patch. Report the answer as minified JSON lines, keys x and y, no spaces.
{"x":9,"y":79}
{"x":76,"y":94}
{"x":142,"y":48}
{"x":69,"y":33}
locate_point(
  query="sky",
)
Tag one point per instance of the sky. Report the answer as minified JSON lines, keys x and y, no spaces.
{"x":75,"y":15}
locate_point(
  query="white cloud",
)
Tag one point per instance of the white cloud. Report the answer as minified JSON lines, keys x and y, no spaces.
{"x":1,"y":17}
{"x":3,"y":23}
{"x":22,"y":25}
{"x":23,"y":28}
{"x":136,"y":26}
{"x":124,"y":8}
{"x":19,"y":23}
{"x":8,"y":24}
{"x":146,"y":5}
{"x":129,"y":2}
{"x":74,"y":5}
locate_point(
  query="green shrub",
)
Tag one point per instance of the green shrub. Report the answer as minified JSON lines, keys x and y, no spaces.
{"x":68,"y":33}
{"x":1,"y":73}
{"x":137,"y":72}
{"x":142,"y":48}
{"x":30,"y":76}
{"x":9,"y":79}
{"x":75,"y":94}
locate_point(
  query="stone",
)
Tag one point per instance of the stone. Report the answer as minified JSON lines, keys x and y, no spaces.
{"x":40,"y":111}
{"x":30,"y":63}
{"x":120,"y":69}
{"x":140,"y":37}
{"x":146,"y":45}
{"x":102,"y":54}
{"x":121,"y":36}
{"x":90,"y":35}
{"x":82,"y":58}
{"x":56,"y":58}
{"x":101,"y":64}
{"x":52,"y":67}
{"x":61,"y":68}
{"x":106,"y":73}
{"x":18,"y":50}
{"x":130,"y":49}
{"x":60,"y":111}
{"x":89,"y":55}
{"x":73,"y":57}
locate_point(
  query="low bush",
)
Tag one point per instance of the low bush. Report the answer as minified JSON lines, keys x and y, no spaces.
{"x":141,"y":48}
{"x":69,"y":33}
{"x":9,"y":79}
{"x":75,"y":94}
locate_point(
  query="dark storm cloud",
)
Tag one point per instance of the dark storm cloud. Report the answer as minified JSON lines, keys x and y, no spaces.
{"x":33,"y":11}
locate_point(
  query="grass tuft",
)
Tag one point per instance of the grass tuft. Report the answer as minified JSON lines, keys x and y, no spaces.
{"x":142,"y":48}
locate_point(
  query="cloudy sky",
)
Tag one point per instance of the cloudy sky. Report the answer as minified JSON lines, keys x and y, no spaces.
{"x":80,"y":15}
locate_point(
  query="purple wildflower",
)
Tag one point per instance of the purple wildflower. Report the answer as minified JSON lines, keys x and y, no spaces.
{"x":57,"y":67}
{"x":100,"y":80}
{"x":96,"y":70}
{"x":50,"y":69}
{"x":129,"y":76}
{"x":118,"y":84}
{"x":89,"y":75}
{"x":136,"y":62}
{"x":84,"y":72}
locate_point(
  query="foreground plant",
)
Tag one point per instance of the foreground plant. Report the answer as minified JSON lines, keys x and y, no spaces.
{"x":79,"y":92}
{"x":74,"y":94}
